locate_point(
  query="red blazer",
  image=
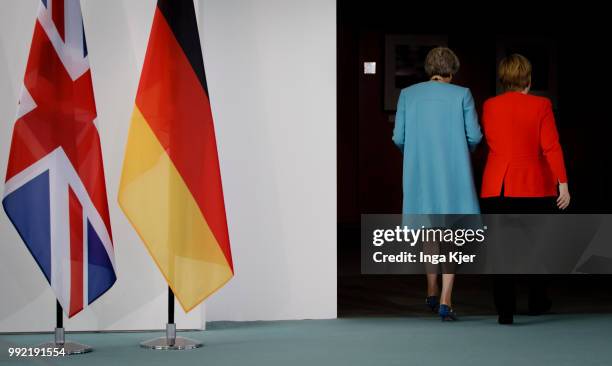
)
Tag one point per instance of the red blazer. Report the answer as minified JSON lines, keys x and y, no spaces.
{"x":524,"y":152}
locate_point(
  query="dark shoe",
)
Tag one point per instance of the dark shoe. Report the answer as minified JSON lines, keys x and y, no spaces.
{"x":505,"y":319}
{"x":432,"y":303}
{"x":446,"y":313}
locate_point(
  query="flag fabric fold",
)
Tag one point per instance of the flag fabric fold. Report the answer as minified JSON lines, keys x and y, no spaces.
{"x":55,"y":192}
{"x":170,"y":188}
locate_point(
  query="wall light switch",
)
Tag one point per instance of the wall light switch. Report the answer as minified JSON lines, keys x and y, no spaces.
{"x":369,"y":68}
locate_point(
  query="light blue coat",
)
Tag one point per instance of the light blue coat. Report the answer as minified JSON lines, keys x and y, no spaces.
{"x":436,"y":126}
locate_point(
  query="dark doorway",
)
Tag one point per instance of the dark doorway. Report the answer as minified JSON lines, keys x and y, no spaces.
{"x":569,"y":68}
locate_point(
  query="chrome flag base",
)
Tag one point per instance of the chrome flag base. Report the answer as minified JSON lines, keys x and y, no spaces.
{"x":69,"y":348}
{"x":171,"y":341}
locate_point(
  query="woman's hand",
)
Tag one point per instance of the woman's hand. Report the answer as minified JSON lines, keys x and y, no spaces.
{"x":564,"y":197}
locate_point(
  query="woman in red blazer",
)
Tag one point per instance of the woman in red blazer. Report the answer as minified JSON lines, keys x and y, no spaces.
{"x":524,"y":170}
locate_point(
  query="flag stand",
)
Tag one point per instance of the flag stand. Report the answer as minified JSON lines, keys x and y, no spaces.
{"x":171,"y":341}
{"x":70,"y":348}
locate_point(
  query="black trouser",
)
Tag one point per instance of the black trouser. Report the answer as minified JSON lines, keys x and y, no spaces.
{"x":504,"y":293}
{"x":504,"y":286}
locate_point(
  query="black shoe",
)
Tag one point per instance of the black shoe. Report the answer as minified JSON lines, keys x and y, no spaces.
{"x":505,"y":319}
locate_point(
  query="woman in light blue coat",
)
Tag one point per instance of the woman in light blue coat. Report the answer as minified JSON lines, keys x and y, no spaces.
{"x":436,"y":126}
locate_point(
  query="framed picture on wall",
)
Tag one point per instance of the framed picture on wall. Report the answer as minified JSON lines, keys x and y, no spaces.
{"x":404,"y":62}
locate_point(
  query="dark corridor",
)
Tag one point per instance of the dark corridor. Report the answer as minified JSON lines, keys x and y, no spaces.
{"x":569,"y":68}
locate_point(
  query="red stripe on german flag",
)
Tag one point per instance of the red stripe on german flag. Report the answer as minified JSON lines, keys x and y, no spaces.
{"x":176,"y":106}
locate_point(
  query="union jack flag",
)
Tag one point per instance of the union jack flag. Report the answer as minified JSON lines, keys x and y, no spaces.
{"x":55,"y":193}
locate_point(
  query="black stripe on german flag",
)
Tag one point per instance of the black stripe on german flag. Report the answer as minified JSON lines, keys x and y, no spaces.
{"x":180,"y":16}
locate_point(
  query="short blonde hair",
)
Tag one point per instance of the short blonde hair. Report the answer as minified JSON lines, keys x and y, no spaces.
{"x":514,"y":72}
{"x":441,"y":61}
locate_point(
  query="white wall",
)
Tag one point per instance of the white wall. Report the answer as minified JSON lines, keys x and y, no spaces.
{"x":271,"y":69}
{"x":271,"y":74}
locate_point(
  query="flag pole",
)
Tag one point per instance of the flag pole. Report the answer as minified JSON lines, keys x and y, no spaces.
{"x":60,"y":336}
{"x":171,"y":341}
{"x":59,"y":342}
{"x":171,"y":326}
{"x":59,"y":315}
{"x":170,"y":306}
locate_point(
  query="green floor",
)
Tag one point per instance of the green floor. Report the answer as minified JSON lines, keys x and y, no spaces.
{"x":548,"y":340}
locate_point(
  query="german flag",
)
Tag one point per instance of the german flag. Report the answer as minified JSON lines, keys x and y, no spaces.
{"x":171,"y":185}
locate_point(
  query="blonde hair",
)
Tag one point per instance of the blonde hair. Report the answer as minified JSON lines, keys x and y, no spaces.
{"x":514,"y":72}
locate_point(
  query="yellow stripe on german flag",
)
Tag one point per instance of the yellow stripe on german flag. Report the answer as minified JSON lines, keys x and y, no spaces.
{"x":170,"y":187}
